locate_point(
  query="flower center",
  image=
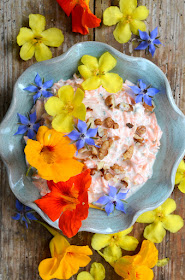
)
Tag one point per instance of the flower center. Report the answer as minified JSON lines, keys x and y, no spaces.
{"x":69,"y":108}
{"x":160,"y":215}
{"x":145,"y":91}
{"x":82,"y":136}
{"x":47,"y":153}
{"x":127,"y":18}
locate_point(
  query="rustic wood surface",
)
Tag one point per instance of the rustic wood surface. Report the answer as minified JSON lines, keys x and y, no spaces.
{"x":22,"y":249}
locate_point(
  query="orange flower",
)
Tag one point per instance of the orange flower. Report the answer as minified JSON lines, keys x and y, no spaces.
{"x":52,"y":155}
{"x":68,"y":202}
{"x":82,"y":17}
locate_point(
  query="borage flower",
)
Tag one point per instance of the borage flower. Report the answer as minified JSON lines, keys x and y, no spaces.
{"x":24,"y":213}
{"x":82,"y":17}
{"x":36,"y":39}
{"x":180,"y":176}
{"x":95,"y":73}
{"x":52,"y":155}
{"x":28,"y":125}
{"x":97,"y":272}
{"x":40,"y":88}
{"x":150,"y":41}
{"x":114,"y":199}
{"x":144,"y":93}
{"x":83,"y":135}
{"x":68,"y":202}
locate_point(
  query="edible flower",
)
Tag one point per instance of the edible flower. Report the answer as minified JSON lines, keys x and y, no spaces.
{"x":129,"y":19}
{"x":64,"y":108}
{"x":150,"y":41}
{"x":97,"y":272}
{"x":95,"y":73}
{"x":138,"y":267}
{"x":180,"y":176}
{"x":36,"y":39}
{"x":40,"y":88}
{"x":52,"y":155}
{"x":161,"y":220}
{"x":83,"y":135}
{"x":28,"y":125}
{"x":144,"y":93}
{"x":68,"y":202}
{"x":82,"y":17}
{"x":24,"y":213}
{"x":65,"y":259}
{"x":114,"y":199}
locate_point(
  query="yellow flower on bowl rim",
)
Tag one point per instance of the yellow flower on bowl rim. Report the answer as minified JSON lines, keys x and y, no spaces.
{"x":36,"y":40}
{"x":180,"y":176}
{"x":129,"y":19}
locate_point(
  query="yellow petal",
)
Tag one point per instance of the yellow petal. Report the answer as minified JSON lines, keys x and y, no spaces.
{"x":173,"y":223}
{"x":58,"y":245}
{"x":63,"y":123}
{"x":42,"y":52}
{"x":79,"y":112}
{"x":90,"y":61}
{"x":112,"y":82}
{"x":27,"y":51}
{"x":47,"y":268}
{"x":137,"y":25}
{"x":147,"y":217}
{"x":168,"y":206}
{"x":162,"y":262}
{"x":37,"y":23}
{"x":128,"y":243}
{"x":52,"y":37}
{"x":84,"y":275}
{"x":124,"y":232}
{"x":85,"y":72}
{"x":66,"y":94}
{"x":148,"y":254}
{"x":79,"y":96}
{"x":25,"y":35}
{"x":127,"y":6}
{"x":100,"y":241}
{"x":180,"y":175}
{"x":91,"y":83}
{"x":122,"y":32}
{"x":140,"y":13}
{"x":112,"y":15}
{"x":54,"y":106}
{"x":107,"y":62}
{"x":144,"y":273}
{"x":181,"y":186}
{"x":155,"y":232}
{"x":111,"y":254}
{"x":97,"y":271}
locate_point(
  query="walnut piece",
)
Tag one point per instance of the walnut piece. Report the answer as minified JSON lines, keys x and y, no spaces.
{"x":141,"y":130}
{"x":129,"y":125}
{"x":129,"y":153}
{"x":117,"y":168}
{"x":108,"y":176}
{"x":110,"y":101}
{"x":125,"y":106}
{"x":124,"y":183}
{"x":108,"y":122}
{"x":89,"y":109}
{"x":138,"y":138}
{"x":115,"y":125}
{"x":98,"y":122}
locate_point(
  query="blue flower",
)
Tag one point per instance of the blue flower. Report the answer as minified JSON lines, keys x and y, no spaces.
{"x":28,"y":125}
{"x":82,"y":135}
{"x":40,"y":89}
{"x":144,"y":93}
{"x":113,"y":200}
{"x":149,"y":41}
{"x":24,"y":213}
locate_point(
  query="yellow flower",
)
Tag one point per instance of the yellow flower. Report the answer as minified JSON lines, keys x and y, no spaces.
{"x":129,"y":18}
{"x":97,"y":272}
{"x":180,"y":176}
{"x":95,"y":73}
{"x":65,"y":107}
{"x":161,"y":221}
{"x":36,"y":39}
{"x":65,"y":259}
{"x":138,"y":267}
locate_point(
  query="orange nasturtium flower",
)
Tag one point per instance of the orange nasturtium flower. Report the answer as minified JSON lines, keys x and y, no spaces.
{"x":65,"y":259}
{"x":82,"y":17}
{"x":52,"y":155}
{"x":68,"y":202}
{"x":138,"y":267}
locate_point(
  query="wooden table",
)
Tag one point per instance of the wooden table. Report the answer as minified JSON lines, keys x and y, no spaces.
{"x":22,"y":249}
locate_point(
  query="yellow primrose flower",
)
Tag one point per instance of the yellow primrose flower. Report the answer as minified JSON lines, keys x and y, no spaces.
{"x":97,"y":272}
{"x":129,"y":18}
{"x":95,"y":73}
{"x":65,"y":259}
{"x":161,"y":221}
{"x":36,"y":39}
{"x":180,"y":176}
{"x":64,"y":107}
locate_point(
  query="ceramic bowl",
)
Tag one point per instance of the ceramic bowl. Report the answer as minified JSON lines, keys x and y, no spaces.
{"x":171,"y":120}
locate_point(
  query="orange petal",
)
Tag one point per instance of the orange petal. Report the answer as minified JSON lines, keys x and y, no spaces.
{"x":90,"y":20}
{"x":77,"y":26}
{"x":67,"y":5}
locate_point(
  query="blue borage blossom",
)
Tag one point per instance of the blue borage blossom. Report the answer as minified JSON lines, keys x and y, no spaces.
{"x":83,"y":135}
{"x":24,"y":213}
{"x":150,"y":41}
{"x":41,"y":88}
{"x":144,"y":93}
{"x":28,"y":125}
{"x":114,"y":199}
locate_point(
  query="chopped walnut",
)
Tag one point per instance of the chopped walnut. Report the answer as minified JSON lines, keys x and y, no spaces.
{"x":94,"y":151}
{"x":124,"y":183}
{"x":110,"y":142}
{"x":110,"y":101}
{"x":129,"y":153}
{"x":93,"y":171}
{"x":103,"y":151}
{"x":149,"y":108}
{"x":89,"y":109}
{"x":90,"y":121}
{"x":108,"y":122}
{"x":108,"y":176}
{"x":117,"y":168}
{"x":138,"y":138}
{"x":98,"y":122}
{"x":115,"y":125}
{"x":141,"y":129}
{"x":116,"y":138}
{"x":125,"y":106}
{"x":129,"y":125}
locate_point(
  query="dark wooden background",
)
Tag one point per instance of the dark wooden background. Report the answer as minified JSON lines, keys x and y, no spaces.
{"x":22,"y":249}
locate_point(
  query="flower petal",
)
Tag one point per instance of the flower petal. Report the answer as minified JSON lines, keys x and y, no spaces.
{"x":155,"y":232}
{"x":66,"y":94}
{"x":52,"y":37}
{"x":142,"y":84}
{"x":173,"y":223}
{"x":111,"y":16}
{"x":31,"y":88}
{"x":37,"y":23}
{"x":112,"y":253}
{"x":153,"y":33}
{"x":47,"y":84}
{"x":120,"y":206}
{"x":89,"y":19}
{"x":48,"y":267}
{"x":142,"y":46}
{"x":139,"y":98}
{"x":152,"y":49}
{"x":17,"y":217}
{"x":144,"y":273}
{"x":180,"y":172}
{"x":82,"y":126}
{"x":168,"y":206}
{"x":31,"y":134}
{"x":46,"y":93}
{"x":92,"y":83}
{"x":135,"y":89}
{"x":73,"y":135}
{"x":30,"y":216}
{"x":109,"y":208}
{"x":181,"y":186}
{"x":147,"y":100}
{"x":54,"y":106}
{"x":127,"y":7}
{"x":27,"y":51}
{"x":19,"y":206}
{"x":122,"y":32}
{"x":84,"y":275}
{"x":90,"y":141}
{"x":121,"y":195}
{"x":79,"y":112}
{"x":42,"y":52}
{"x":100,"y":241}
{"x":112,"y":191}
{"x":79,"y":96}
{"x":25,"y":35}
{"x":36,"y":96}
{"x":140,"y":13}
{"x":24,"y":120}
{"x":152,"y":91}
{"x":137,"y":25}
{"x":33,"y":117}
{"x":128,"y":243}
{"x":112,"y":82}
{"x":80,"y":144}
{"x":97,"y":271}
{"x":107,"y":62}
{"x":90,"y":61}
{"x":144,"y":35}
{"x":91,"y":132}
{"x":21,"y":129}
{"x":147,"y":217}
{"x":63,"y":122}
{"x":103,"y":200}
{"x":148,"y":254}
{"x":157,"y":42}
{"x":38,"y":80}
{"x":84,"y":71}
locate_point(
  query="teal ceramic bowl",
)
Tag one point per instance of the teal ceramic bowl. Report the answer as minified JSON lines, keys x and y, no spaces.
{"x":171,"y":120}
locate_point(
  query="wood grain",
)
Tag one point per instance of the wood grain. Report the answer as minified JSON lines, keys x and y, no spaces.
{"x":22,"y":249}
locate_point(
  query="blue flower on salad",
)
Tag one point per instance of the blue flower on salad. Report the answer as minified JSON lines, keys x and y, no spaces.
{"x":40,"y":88}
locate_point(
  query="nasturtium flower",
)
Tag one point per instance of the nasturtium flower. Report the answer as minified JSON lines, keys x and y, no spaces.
{"x":161,"y":220}
{"x":52,"y":155}
{"x":138,"y":267}
{"x":180,"y":176}
{"x":65,"y":259}
{"x":97,"y":272}
{"x":129,"y":19}
{"x":95,"y":73}
{"x":36,"y":39}
{"x":68,"y":202}
{"x":82,"y":17}
{"x":64,"y":108}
